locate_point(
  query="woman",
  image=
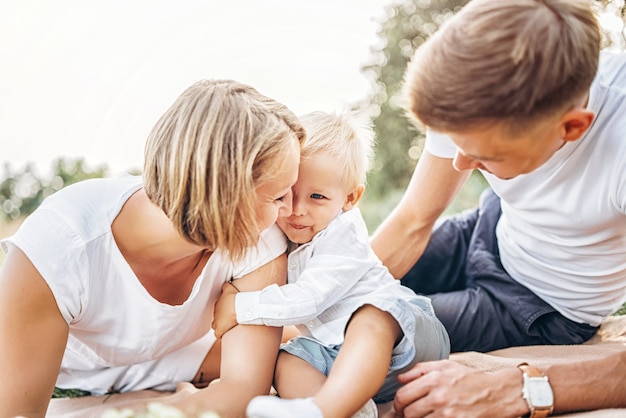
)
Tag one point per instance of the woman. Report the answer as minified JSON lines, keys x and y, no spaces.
{"x":110,"y":285}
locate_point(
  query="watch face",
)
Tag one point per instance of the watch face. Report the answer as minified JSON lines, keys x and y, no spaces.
{"x":540,"y":392}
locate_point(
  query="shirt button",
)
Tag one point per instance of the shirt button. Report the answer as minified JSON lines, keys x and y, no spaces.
{"x":292,"y":266}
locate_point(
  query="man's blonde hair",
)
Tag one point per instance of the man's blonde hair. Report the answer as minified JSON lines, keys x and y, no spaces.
{"x":504,"y":61}
{"x":347,"y":137}
{"x":207,"y":154}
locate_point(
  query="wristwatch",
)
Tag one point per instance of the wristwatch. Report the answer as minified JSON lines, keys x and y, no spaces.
{"x":537,"y":391}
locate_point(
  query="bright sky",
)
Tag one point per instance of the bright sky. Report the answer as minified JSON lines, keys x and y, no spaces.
{"x":89,"y":78}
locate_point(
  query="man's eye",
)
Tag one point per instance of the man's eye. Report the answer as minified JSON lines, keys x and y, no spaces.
{"x":317,"y":196}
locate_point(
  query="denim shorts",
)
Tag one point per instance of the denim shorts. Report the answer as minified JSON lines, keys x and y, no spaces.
{"x":424,"y":339}
{"x":482,"y":307}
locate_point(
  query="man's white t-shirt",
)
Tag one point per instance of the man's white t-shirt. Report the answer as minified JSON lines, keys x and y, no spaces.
{"x":120,"y":337}
{"x":562,"y":232}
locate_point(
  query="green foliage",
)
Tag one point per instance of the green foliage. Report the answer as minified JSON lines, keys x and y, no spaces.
{"x":612,"y":15}
{"x":406,"y":26}
{"x":22,"y":191}
{"x":69,"y":393}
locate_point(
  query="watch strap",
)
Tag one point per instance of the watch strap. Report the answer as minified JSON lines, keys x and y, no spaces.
{"x":535,"y":411}
{"x":530,"y":370}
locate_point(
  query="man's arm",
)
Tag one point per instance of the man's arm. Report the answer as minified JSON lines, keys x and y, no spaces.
{"x":460,"y":391}
{"x":589,"y":384}
{"x":402,"y":237}
{"x":33,"y":335}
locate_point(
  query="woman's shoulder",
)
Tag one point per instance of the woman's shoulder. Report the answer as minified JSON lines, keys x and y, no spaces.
{"x":272,"y":243}
{"x":69,"y":220}
{"x":91,"y":205}
{"x":92,"y":192}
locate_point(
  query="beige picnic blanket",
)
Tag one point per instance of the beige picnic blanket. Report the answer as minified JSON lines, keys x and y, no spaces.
{"x":610,"y":337}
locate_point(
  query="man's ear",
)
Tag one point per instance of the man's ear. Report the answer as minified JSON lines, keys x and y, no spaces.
{"x":353,"y":197}
{"x":575,"y":123}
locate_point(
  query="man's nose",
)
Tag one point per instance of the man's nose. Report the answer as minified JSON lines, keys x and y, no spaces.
{"x":462,"y":162}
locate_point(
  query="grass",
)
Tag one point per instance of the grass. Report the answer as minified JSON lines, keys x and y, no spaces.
{"x":69,"y":393}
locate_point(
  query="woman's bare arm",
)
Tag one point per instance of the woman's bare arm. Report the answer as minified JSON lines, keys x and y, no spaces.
{"x":33,"y":336}
{"x":248,"y":355}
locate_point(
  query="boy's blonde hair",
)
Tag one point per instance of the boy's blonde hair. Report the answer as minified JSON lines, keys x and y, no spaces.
{"x":347,"y":137}
{"x":207,"y":154}
{"x":504,"y":61}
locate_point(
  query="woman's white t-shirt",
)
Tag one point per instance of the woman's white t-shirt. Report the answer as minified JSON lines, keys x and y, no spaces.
{"x":562,"y":232}
{"x":120,"y":337}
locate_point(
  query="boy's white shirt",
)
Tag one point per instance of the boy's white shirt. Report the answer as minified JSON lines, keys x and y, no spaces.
{"x":119,"y":334}
{"x":328,"y":278}
{"x":562,"y":232}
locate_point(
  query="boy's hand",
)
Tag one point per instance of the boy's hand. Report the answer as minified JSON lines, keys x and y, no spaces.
{"x":224,"y":315}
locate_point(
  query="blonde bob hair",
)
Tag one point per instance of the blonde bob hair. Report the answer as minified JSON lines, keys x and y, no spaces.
{"x":504,"y":61}
{"x":207,"y":154}
{"x":347,"y":137}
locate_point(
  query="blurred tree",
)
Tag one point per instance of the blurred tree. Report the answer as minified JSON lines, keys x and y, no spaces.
{"x":612,"y":14}
{"x":22,"y":191}
{"x":405,"y":26}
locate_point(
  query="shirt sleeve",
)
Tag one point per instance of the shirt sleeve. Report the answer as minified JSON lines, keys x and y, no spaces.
{"x":339,"y":261}
{"x":439,"y":145}
{"x":56,"y":251}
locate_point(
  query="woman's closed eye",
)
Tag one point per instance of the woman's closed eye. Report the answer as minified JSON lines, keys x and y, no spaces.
{"x":284,"y":197}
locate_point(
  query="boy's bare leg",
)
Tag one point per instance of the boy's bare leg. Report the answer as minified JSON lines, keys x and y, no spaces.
{"x":362,"y":363}
{"x":289,"y":332}
{"x":295,"y":378}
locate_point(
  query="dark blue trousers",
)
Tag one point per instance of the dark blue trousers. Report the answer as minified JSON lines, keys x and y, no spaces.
{"x":480,"y":305}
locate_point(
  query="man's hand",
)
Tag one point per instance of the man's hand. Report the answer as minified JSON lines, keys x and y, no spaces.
{"x":224,"y":315}
{"x":448,"y":389}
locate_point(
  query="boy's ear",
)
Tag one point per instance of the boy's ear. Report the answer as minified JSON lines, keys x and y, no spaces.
{"x":575,"y":123}
{"x":353,"y":197}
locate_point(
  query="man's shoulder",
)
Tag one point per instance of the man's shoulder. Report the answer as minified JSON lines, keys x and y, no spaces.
{"x":612,"y":69}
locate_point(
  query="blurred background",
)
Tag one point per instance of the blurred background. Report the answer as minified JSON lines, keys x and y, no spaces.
{"x":83,"y":81}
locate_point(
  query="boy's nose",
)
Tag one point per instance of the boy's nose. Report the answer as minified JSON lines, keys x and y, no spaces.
{"x":298,"y":207}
